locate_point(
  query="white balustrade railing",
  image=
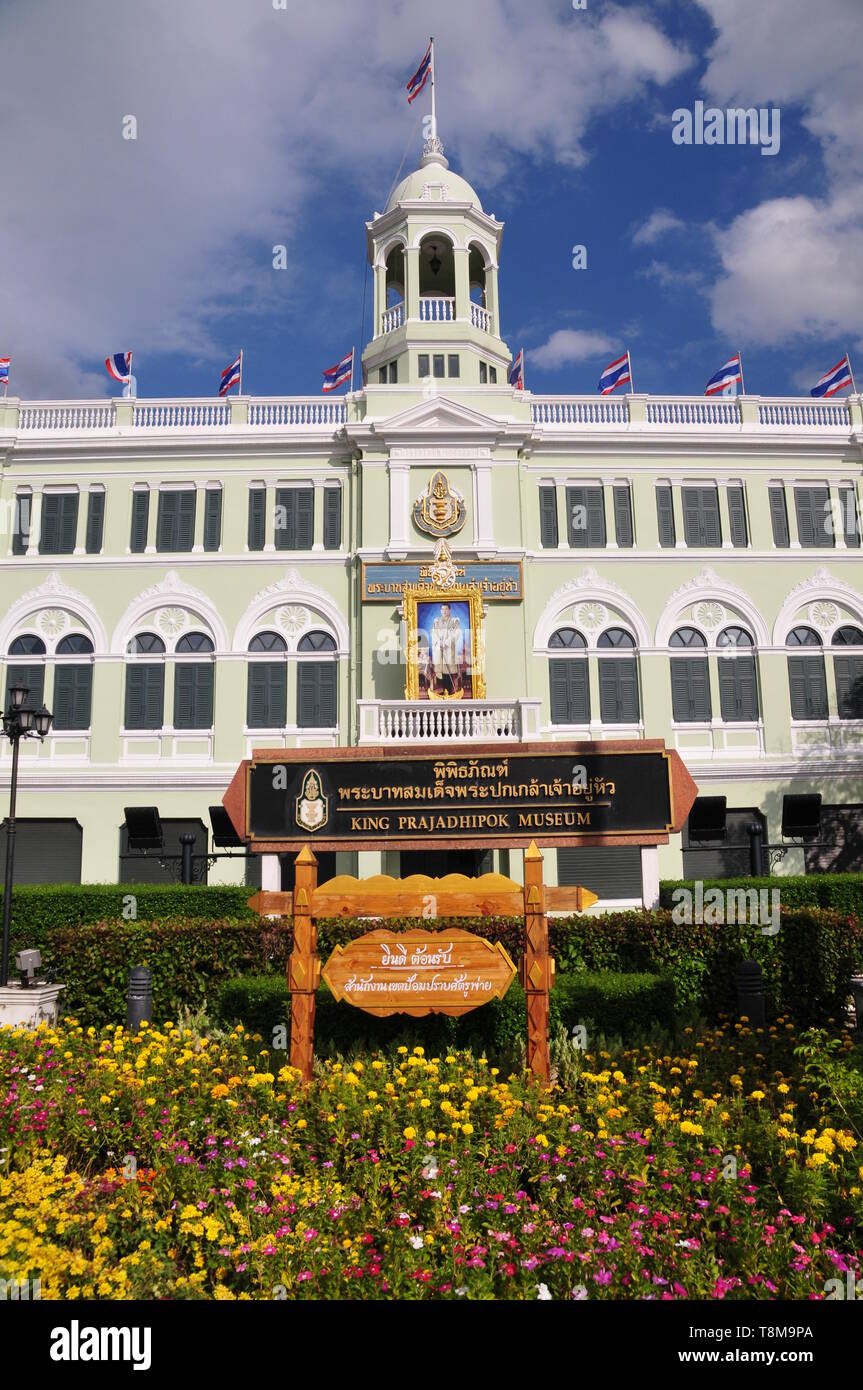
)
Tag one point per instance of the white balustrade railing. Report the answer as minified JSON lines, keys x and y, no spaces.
{"x":743,"y":412}
{"x":447,"y":721}
{"x":703,"y":410}
{"x":817,"y":414}
{"x":572,"y":410}
{"x":313,"y":411}
{"x":83,"y":415}
{"x":181,"y":415}
{"x":393,"y":317}
{"x":480,"y":317}
{"x":437,"y":308}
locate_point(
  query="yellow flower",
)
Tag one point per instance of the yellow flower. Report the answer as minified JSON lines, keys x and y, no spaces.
{"x":409,"y":1132}
{"x":467,"y":1129}
{"x":541,"y":1139}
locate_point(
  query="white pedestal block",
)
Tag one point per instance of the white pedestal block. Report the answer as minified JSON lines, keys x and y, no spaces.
{"x":27,"y":1008}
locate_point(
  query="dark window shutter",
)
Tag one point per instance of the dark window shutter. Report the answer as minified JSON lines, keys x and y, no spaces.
{"x":59,"y":523}
{"x":595,"y":517}
{"x":737,"y":515}
{"x":145,"y":694}
{"x":332,"y":518}
{"x":166,"y":521}
{"x":569,"y":690}
{"x":779,"y":518}
{"x":186,"y":518}
{"x":49,"y":533}
{"x":701,"y":517}
{"x":691,"y":516}
{"x":95,"y":522}
{"x":848,"y":671}
{"x":618,"y":690}
{"x":690,"y":689}
{"x":257,"y":517}
{"x":623,"y":517}
{"x":548,"y":533}
{"x":305,"y":518}
{"x":576,"y":499}
{"x":665,"y":515}
{"x":213,"y":518}
{"x":611,"y":871}
{"x":33,"y":677}
{"x":711,"y":528}
{"x":808,"y":687}
{"x":140,"y":517}
{"x":73,"y":688}
{"x":316,"y":694}
{"x":848,"y":503}
{"x":193,"y":695}
{"x":286,"y":518}
{"x":266,"y":706}
{"x":21,"y":532}
{"x":812,"y":504}
{"x":738,"y":689}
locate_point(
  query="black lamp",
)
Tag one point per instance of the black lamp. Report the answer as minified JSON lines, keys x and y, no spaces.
{"x":17,"y":695}
{"x":42,"y":721}
{"x":435,"y":261}
{"x":26,"y":719}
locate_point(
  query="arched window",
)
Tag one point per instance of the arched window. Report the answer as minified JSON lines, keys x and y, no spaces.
{"x":569,"y":685}
{"x":267,"y":683}
{"x":738,"y":676}
{"x":73,"y":683}
{"x":807,"y":680}
{"x":618,"y":678}
{"x":193,"y":683}
{"x":145,"y":683}
{"x":848,"y":671}
{"x":30,"y":674}
{"x":317,"y":683}
{"x":690,"y":678}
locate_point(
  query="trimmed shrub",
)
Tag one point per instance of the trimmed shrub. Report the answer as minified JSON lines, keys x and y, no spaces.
{"x":69,"y":904}
{"x":839,"y":892}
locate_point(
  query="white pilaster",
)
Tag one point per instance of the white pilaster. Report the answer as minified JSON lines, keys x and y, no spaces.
{"x":650,"y":876}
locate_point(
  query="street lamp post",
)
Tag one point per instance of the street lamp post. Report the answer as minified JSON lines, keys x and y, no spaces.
{"x":19,"y":721}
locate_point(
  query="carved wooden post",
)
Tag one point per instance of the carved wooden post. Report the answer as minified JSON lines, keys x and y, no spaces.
{"x":537,"y":967}
{"x":304,"y":967}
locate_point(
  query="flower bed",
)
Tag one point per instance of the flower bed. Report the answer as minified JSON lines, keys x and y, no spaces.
{"x":171,"y":1165}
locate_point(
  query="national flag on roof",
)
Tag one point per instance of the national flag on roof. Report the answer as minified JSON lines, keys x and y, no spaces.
{"x":342,"y":371}
{"x":231,"y":375}
{"x":834,"y":380}
{"x":4,"y":370}
{"x":119,"y":366}
{"x":516,"y":372}
{"x":616,"y":374}
{"x":727,"y":379}
{"x":421,"y":76}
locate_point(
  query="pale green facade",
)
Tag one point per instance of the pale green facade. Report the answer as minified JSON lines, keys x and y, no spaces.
{"x":508,"y":453}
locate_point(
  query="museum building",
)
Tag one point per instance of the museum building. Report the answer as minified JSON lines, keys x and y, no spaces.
{"x":185,"y":581}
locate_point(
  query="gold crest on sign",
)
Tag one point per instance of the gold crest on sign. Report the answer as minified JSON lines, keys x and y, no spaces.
{"x":312,"y":805}
{"x":440,"y":510}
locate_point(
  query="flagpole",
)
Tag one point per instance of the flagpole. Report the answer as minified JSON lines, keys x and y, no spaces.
{"x":742,"y":382}
{"x":629,"y":365}
{"x":130,"y":375}
{"x":241,"y":372}
{"x":851,"y":373}
{"x":433,"y":111}
{"x":353,"y":353}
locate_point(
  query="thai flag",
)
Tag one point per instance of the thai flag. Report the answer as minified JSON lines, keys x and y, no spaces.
{"x":835,"y":379}
{"x":4,"y":370}
{"x":726,"y":380}
{"x":516,"y":372}
{"x":231,"y":375}
{"x":421,"y":76}
{"x":342,"y":371}
{"x":616,"y":374}
{"x":119,"y":366}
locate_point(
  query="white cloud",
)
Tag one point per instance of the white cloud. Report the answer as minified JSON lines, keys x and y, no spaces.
{"x":672,"y":277}
{"x":658,"y":224}
{"x":568,"y":345}
{"x":245,"y":113}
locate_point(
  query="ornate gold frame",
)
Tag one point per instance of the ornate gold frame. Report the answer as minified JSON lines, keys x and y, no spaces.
{"x":462,"y":593}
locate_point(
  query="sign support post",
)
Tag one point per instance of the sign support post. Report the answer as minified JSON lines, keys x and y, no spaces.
{"x":305,"y":967}
{"x":537,"y":966}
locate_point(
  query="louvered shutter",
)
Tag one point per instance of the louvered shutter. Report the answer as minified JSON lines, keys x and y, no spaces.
{"x":193,"y":695}
{"x":67,"y":522}
{"x":332,"y":518}
{"x":33,"y":677}
{"x":307,"y":695}
{"x":691,"y":516}
{"x":737,"y":515}
{"x":779,"y":518}
{"x":848,"y":671}
{"x":848,"y":503}
{"x":186,"y":518}
{"x":623,"y":517}
{"x":316,"y":694}
{"x":166,"y":521}
{"x":286,"y":518}
{"x":49,"y":534}
{"x":73,"y":687}
{"x":618,"y":690}
{"x":140,"y":517}
{"x":145,"y":691}
{"x":576,"y":498}
{"x":95,"y":522}
{"x":569,"y":690}
{"x":690,"y":689}
{"x":711,"y":529}
{"x":328,"y":694}
{"x":812,"y":504}
{"x":738,"y":689}
{"x":595,"y":518}
{"x":305,"y":518}
{"x":665,"y":515}
{"x":257,"y":517}
{"x":548,"y":533}
{"x":212,"y":518}
{"x":267,"y":695}
{"x":808,"y":687}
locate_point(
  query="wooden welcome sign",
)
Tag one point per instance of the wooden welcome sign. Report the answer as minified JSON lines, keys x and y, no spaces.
{"x":419,"y":973}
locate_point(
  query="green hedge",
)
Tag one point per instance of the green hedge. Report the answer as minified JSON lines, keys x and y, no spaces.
{"x":609,"y":1002}
{"x":839,"y":892}
{"x":71,"y":904}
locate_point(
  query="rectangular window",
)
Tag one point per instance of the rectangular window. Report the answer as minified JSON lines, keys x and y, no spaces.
{"x":267,"y":695}
{"x":452,"y":365}
{"x":569,"y":690}
{"x":382,"y":376}
{"x":613,"y":872}
{"x":779,"y":518}
{"x":701,"y":526}
{"x":145,"y":695}
{"x":33,"y":680}
{"x":21,"y":525}
{"x":623,"y":516}
{"x":849,"y":686}
{"x":690,"y":689}
{"x":548,"y":533}
{"x":808,"y":687}
{"x":618,"y":690}
{"x":423,"y":362}
{"x":212,"y":518}
{"x":295,"y":518}
{"x":394,"y":373}
{"x":317,"y":700}
{"x":850,"y":527}
{"x":257,"y":517}
{"x":175,"y":523}
{"x":492,"y":376}
{"x":332,"y":518}
{"x":438,"y":364}
{"x":585,"y":510}
{"x":140,"y":520}
{"x":73,"y":690}
{"x":737,"y":515}
{"x":738,"y":689}
{"x":665,"y":515}
{"x":483,"y":374}
{"x":813,"y":511}
{"x":95,"y":521}
{"x":193,"y":695}
{"x":59,"y":523}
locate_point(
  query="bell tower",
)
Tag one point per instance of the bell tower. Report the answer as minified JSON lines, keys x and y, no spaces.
{"x":434,"y":257}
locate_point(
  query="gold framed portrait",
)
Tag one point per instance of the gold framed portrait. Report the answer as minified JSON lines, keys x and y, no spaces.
{"x":445,"y":646}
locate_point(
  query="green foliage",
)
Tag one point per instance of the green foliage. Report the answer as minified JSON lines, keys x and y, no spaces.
{"x":838,"y":892}
{"x":35,"y":906}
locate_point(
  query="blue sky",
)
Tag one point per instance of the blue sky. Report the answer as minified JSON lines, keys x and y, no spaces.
{"x":258,"y":126}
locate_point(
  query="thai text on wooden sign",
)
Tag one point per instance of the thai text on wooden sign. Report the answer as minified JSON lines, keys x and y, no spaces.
{"x":384,"y":582}
{"x":419,"y":973}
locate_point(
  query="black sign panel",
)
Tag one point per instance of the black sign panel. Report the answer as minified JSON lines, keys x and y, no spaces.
{"x":487,"y":797}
